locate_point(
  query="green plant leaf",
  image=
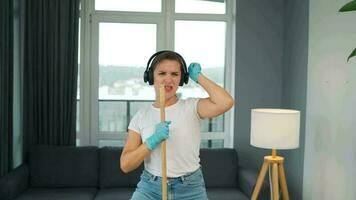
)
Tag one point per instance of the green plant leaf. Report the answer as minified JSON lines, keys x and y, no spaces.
{"x":351,"y":6}
{"x":352,"y":54}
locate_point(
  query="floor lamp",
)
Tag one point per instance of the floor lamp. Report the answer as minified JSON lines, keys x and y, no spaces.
{"x":274,"y":129}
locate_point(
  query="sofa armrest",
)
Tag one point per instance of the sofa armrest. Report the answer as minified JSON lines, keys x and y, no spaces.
{"x":14,"y":183}
{"x":247,"y":180}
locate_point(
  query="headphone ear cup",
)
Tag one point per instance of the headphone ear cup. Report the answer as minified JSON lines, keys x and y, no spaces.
{"x":181,"y":82}
{"x":145,"y":76}
{"x":186,"y":78}
{"x":150,"y":77}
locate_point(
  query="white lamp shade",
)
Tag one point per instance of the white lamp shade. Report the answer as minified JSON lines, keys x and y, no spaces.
{"x":275,"y":128}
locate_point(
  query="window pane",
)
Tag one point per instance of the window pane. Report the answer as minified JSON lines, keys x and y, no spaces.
{"x":123,"y":52}
{"x":213,"y":125}
{"x":112,"y":116}
{"x":136,"y":105}
{"x":77,"y":125}
{"x":217,"y":143}
{"x":203,"y":43}
{"x":129,"y":5}
{"x":111,"y":143}
{"x":199,"y":6}
{"x":77,"y":142}
{"x":78,"y":84}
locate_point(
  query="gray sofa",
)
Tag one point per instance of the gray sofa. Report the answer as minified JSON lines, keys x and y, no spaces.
{"x":83,"y":173}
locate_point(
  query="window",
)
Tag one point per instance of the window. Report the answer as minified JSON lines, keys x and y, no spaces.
{"x":78,"y":89}
{"x":118,"y":37}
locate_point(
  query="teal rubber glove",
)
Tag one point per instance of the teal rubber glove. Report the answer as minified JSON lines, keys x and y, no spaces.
{"x":194,"y":70}
{"x":161,"y":133}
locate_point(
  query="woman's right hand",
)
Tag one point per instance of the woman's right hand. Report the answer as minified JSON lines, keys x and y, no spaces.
{"x":161,"y":133}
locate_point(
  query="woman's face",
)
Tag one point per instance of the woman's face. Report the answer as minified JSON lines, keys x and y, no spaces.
{"x":168,"y":73}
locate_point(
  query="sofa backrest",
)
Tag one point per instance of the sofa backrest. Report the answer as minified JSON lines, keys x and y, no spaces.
{"x":219,"y":167}
{"x":110,"y":173}
{"x":53,"y":166}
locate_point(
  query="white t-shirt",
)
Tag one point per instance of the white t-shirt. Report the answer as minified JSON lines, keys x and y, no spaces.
{"x":184,"y":137}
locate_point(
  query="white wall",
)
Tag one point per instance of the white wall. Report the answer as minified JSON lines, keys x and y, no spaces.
{"x":330,"y":139}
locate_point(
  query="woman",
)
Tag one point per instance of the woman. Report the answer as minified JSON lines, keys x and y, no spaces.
{"x":181,"y":130}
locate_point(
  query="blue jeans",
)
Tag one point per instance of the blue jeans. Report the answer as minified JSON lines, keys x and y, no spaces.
{"x":187,"y":187}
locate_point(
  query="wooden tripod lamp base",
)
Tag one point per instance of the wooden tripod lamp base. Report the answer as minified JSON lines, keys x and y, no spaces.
{"x":278,"y":176}
{"x":274,"y":129}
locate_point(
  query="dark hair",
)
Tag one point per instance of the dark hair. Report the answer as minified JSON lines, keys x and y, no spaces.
{"x":167,"y":55}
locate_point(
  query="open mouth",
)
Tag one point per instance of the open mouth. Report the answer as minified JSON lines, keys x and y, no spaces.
{"x":168,"y":88}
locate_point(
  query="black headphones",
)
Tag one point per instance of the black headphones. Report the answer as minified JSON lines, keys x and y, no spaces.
{"x":148,"y":75}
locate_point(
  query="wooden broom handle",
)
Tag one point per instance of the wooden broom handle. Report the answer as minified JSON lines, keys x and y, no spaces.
{"x":162,"y":101}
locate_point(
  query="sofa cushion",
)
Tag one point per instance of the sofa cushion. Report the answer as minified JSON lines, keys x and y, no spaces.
{"x":58,"y":193}
{"x":114,"y":193}
{"x":219,"y":167}
{"x":52,"y":166}
{"x":110,"y":172}
{"x":226,"y":194}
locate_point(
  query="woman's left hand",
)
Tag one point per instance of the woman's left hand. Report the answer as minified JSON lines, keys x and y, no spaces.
{"x":194,"y":70}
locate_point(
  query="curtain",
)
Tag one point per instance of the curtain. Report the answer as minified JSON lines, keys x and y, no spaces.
{"x":6,"y":85}
{"x":50,"y":72}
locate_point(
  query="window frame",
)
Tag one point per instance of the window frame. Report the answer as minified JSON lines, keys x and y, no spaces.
{"x":90,"y":18}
